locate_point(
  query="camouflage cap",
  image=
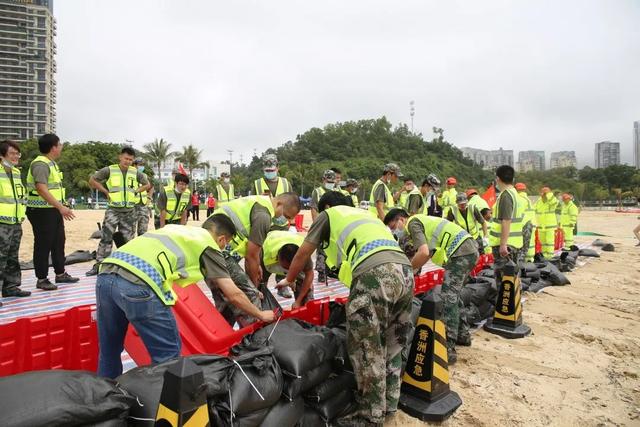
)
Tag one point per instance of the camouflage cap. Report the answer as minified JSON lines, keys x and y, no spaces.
{"x":139,"y":161}
{"x":393,"y":168}
{"x":433,"y":180}
{"x":270,"y":161}
{"x":225,"y":175}
{"x":351,"y":182}
{"x":461,"y":198}
{"x":329,"y":175}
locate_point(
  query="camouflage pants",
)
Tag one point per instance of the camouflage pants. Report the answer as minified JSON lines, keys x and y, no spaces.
{"x":142,"y":213}
{"x":10,"y":275}
{"x":230,"y":312}
{"x":456,"y":272}
{"x":123,"y":221}
{"x":525,"y":254}
{"x":321,"y":266}
{"x":378,"y":326}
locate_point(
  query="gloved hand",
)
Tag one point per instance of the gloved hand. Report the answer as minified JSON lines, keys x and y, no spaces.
{"x":485,"y":241}
{"x":283,"y":284}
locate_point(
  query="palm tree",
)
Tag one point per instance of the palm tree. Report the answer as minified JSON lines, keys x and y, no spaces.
{"x":158,"y":152}
{"x":191,"y":159}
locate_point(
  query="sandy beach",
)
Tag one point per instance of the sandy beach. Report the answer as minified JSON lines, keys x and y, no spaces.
{"x":581,"y":366}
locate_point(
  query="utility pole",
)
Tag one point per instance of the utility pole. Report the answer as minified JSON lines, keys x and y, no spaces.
{"x":412,"y":112}
{"x":230,"y":159}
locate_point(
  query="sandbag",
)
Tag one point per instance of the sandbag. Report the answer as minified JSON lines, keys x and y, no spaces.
{"x":222,"y":418}
{"x":553,"y":275}
{"x":298,"y":346}
{"x":72,"y":258}
{"x":285,"y":413}
{"x":487,"y":273}
{"x":295,"y":386}
{"x":331,"y":387}
{"x":486,"y":310}
{"x":62,"y":398}
{"x":312,"y":419}
{"x":341,"y":361}
{"x":471,"y":313}
{"x":598,"y":242}
{"x":529,"y":266}
{"x":609,"y":248}
{"x":337,"y":315}
{"x":269,"y":302}
{"x":337,"y":406}
{"x":525,"y":282}
{"x":589,"y":253}
{"x":533,"y":275}
{"x":537,"y":286}
{"x":475,"y":293}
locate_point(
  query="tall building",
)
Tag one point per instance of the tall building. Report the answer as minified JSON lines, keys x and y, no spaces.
{"x":636,"y":144}
{"x":27,"y":68}
{"x":488,"y":159}
{"x":563,"y":159}
{"x":531,"y":161}
{"x":607,"y":153}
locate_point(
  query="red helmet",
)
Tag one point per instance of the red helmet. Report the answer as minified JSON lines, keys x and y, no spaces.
{"x":451,"y":181}
{"x":521,"y":186}
{"x":566,"y":196}
{"x":545,"y":190}
{"x":471,"y":191}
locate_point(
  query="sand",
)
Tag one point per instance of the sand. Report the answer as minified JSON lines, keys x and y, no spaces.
{"x":580,"y":367}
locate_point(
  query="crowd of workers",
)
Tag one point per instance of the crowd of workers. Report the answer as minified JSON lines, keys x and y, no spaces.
{"x":374,"y":252}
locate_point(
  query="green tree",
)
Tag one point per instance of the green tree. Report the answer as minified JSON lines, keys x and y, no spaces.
{"x":158,"y":152}
{"x":191,"y":158}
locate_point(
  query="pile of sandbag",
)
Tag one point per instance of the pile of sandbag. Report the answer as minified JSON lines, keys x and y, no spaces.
{"x":479,"y":297}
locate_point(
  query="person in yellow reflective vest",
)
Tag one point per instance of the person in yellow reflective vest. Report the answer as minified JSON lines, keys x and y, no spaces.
{"x":328,"y":184}
{"x":46,"y":211}
{"x":174,"y":203}
{"x":369,"y":262}
{"x":381,"y":198}
{"x":568,"y":218}
{"x":546,"y":221}
{"x":469,"y":218}
{"x":121,"y":184}
{"x":446,"y":244}
{"x":339,"y":182}
{"x":13,"y":197}
{"x":409,"y":197}
{"x":528,"y":249}
{"x":475,"y":200}
{"x":253,"y":217}
{"x":225,"y":189}
{"x":351,"y":187}
{"x":429,"y":190}
{"x":142,"y":209}
{"x":505,"y":237}
{"x":447,"y":199}
{"x":135,"y":285}
{"x":278,"y":251}
{"x":271,"y":183}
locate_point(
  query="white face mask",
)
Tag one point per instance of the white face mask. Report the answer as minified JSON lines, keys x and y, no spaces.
{"x":227,"y":180}
{"x":7,"y":163}
{"x":354,"y":191}
{"x":329,"y":185}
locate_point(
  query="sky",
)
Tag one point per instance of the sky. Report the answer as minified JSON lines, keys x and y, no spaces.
{"x":248,"y":75}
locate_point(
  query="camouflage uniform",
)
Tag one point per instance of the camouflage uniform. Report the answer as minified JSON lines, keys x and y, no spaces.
{"x":527,"y":231}
{"x":378,"y":327}
{"x":456,"y":272}
{"x":321,"y":266}
{"x":10,"y":275}
{"x":229,"y":311}
{"x":142,"y":214}
{"x":123,"y":220}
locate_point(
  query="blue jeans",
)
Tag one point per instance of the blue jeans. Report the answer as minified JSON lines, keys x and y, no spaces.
{"x":119,"y":302}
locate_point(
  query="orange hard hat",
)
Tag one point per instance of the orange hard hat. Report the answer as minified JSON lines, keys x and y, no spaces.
{"x":521,"y":186}
{"x":451,"y":181}
{"x":545,"y":190}
{"x":471,"y":191}
{"x":566,"y":196}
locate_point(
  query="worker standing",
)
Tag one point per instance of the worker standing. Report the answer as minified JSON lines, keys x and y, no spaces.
{"x":470,"y":220}
{"x":410,"y":198}
{"x":12,"y":212}
{"x":429,"y":190}
{"x":211,"y":204}
{"x":174,"y":202}
{"x":568,"y":219}
{"x":46,"y":213}
{"x":135,"y":285}
{"x":546,"y":221}
{"x":142,"y":210}
{"x":328,"y":184}
{"x":351,"y":187}
{"x":225,"y":189}
{"x":475,"y":200}
{"x":528,"y":249}
{"x":381,"y":198}
{"x":271,"y":183}
{"x":448,"y":197}
{"x":378,"y":310}
{"x":195,"y":206}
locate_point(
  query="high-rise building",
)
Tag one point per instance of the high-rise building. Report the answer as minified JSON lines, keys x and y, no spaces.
{"x":27,"y":68}
{"x":489,"y":159}
{"x":531,"y":161}
{"x":607,"y":153}
{"x":636,"y":144}
{"x":563,"y":159}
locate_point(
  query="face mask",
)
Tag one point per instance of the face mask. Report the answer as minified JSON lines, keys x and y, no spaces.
{"x":399,"y":233}
{"x":226,"y":180}
{"x":329,"y":185}
{"x":270,"y":174}
{"x":140,"y":168}
{"x":280,"y":221}
{"x":7,"y":163}
{"x":354,"y":191}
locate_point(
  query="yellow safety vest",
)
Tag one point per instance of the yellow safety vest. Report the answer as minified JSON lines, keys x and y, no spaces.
{"x":546,"y":212}
{"x":569,"y":214}
{"x":515,"y":230}
{"x":443,"y":237}
{"x":143,"y":198}
{"x":12,"y":197}
{"x":447,"y":200}
{"x":355,"y":201}
{"x":239,"y":211}
{"x":354,"y":236}
{"x":468,"y":221}
{"x":389,"y":204}
{"x":175,"y":206}
{"x":274,"y":241}
{"x":406,"y":197}
{"x":164,"y":257}
{"x":122,"y":188}
{"x":529,"y":211}
{"x":223,"y":196}
{"x":54,"y":184}
{"x":478,"y":202}
{"x":261,"y":186}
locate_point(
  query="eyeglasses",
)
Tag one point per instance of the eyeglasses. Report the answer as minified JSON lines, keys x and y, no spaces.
{"x":14,"y":153}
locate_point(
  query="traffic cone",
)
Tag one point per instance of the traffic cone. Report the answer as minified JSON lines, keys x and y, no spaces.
{"x":183,"y":400}
{"x":507,"y":319}
{"x":425,"y":383}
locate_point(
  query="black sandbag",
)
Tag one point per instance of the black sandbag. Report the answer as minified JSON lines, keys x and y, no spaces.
{"x":72,"y":258}
{"x":471,"y":313}
{"x":487,"y":273}
{"x":337,"y":315}
{"x":537,"y":286}
{"x":475,"y":293}
{"x":296,"y":386}
{"x":553,"y":275}
{"x":269,"y":302}
{"x":486,"y":310}
{"x":341,"y":360}
{"x":312,"y":419}
{"x":529,"y":266}
{"x":285,"y":413}
{"x":609,"y":248}
{"x":337,"y":406}
{"x":298,"y":346}
{"x":223,"y":418}
{"x":62,"y":398}
{"x":538,"y":257}
{"x":331,"y":387}
{"x":533,"y":275}
{"x":588,"y":252}
{"x":525,"y":282}
{"x":598,"y":242}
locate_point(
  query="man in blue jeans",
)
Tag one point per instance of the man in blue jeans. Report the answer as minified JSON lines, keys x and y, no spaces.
{"x":135,"y":284}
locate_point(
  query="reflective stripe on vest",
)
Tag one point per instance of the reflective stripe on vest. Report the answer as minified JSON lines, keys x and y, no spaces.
{"x":122,"y":187}
{"x":443,"y":237}
{"x":388,"y":205}
{"x":468,"y":221}
{"x":12,"y":197}
{"x":568,"y":214}
{"x":274,"y":241}
{"x":528,"y":210}
{"x":54,"y":184}
{"x":546,"y":212}
{"x":175,"y":207}
{"x":223,"y":196}
{"x":262,"y":186}
{"x":515,"y":229}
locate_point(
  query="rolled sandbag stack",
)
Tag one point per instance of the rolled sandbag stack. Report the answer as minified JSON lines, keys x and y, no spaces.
{"x":479,"y":297}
